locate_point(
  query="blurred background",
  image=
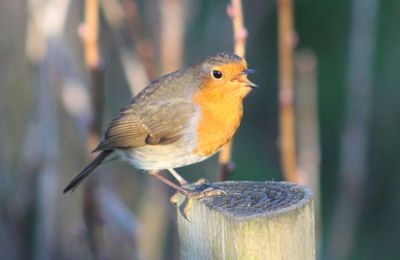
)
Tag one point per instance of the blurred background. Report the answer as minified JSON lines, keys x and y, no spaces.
{"x":55,"y":95}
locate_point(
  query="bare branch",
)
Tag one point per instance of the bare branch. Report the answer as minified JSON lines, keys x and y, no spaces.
{"x":287,"y":116}
{"x":234,"y":10}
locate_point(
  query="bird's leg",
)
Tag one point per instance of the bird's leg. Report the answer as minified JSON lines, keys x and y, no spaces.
{"x":202,"y":191}
{"x":182,"y":181}
{"x":178,"y":177}
{"x":157,"y":175}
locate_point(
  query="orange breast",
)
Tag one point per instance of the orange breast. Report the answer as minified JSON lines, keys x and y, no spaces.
{"x":221,"y":115}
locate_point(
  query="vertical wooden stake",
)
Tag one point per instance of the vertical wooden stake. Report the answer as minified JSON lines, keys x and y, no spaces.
{"x":256,"y":220}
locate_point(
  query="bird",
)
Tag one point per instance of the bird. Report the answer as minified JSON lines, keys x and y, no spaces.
{"x":179,"y":119}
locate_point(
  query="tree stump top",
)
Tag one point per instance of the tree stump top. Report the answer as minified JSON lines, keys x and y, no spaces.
{"x":249,"y":199}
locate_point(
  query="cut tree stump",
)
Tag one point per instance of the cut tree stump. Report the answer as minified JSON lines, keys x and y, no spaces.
{"x":256,"y":220}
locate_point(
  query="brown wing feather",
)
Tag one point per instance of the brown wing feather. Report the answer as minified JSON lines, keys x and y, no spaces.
{"x":155,"y":124}
{"x":125,"y":131}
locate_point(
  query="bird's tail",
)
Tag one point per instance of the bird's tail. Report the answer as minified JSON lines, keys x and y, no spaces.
{"x":88,"y":169}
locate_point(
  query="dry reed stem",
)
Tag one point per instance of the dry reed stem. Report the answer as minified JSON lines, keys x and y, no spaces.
{"x":143,"y":44}
{"x":308,"y":130}
{"x":287,"y":116}
{"x":121,"y":16}
{"x":171,"y":48}
{"x":235,"y":11}
{"x":354,"y":140}
{"x":89,"y":32}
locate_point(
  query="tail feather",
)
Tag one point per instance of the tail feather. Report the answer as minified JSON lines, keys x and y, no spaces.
{"x":88,"y":169}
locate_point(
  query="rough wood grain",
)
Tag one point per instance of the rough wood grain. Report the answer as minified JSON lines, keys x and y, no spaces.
{"x":256,"y":220}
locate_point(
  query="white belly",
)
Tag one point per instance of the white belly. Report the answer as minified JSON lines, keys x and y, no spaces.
{"x":157,"y":157}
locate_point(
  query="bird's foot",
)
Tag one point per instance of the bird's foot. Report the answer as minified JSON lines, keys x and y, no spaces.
{"x":204,"y":190}
{"x":201,"y":190}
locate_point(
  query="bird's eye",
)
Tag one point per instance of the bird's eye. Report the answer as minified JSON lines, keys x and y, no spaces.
{"x":217,"y":74}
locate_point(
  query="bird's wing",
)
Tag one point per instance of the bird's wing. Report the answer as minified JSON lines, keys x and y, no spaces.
{"x":155,"y":123}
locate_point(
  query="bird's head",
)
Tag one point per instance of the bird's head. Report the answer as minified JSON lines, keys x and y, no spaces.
{"x":226,"y":73}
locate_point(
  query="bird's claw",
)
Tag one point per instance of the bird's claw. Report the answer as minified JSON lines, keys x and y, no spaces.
{"x":185,"y":208}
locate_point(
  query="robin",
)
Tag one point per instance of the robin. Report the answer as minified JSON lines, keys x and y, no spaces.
{"x":179,"y":119}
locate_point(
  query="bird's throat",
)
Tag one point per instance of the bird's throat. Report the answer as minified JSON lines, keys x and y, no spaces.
{"x":220,"y":118}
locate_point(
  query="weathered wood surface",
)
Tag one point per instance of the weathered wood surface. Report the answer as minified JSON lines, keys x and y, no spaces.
{"x":256,"y":220}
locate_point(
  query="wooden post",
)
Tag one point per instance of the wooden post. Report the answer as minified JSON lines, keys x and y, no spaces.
{"x":256,"y":220}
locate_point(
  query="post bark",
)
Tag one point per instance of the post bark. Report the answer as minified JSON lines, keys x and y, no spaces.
{"x":256,"y":220}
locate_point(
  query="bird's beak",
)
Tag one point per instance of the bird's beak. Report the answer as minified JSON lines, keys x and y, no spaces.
{"x":249,"y":71}
{"x":251,"y":84}
{"x":246,"y":80}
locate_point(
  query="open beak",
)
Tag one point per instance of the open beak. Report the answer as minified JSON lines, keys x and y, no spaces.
{"x":246,"y":80}
{"x":249,"y":71}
